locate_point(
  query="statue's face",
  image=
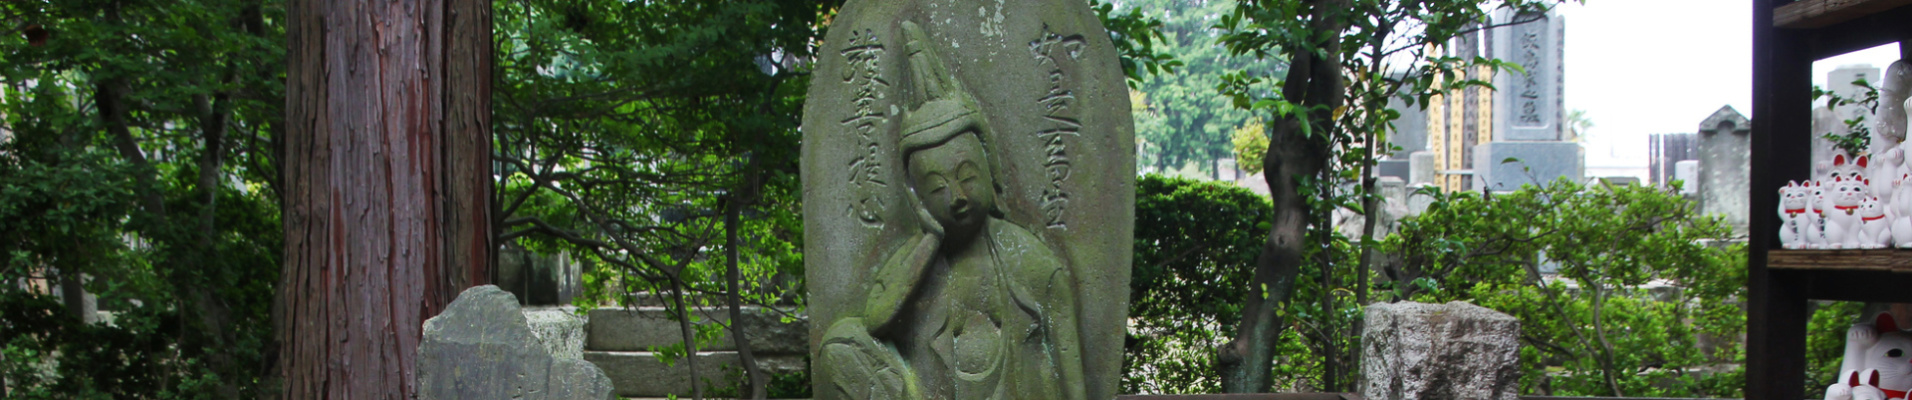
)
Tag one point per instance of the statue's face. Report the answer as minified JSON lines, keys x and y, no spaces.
{"x":953,"y":181}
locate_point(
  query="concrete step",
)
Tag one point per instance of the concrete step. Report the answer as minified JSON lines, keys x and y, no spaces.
{"x":641,"y":374}
{"x":642,"y":328}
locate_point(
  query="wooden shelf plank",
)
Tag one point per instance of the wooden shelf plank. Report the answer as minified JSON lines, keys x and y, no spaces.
{"x":1807,"y":14}
{"x":1843,"y":260}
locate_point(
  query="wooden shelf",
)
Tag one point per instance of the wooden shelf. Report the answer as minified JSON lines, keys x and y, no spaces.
{"x":1808,"y":14}
{"x":1841,"y":260}
{"x":1788,"y":36}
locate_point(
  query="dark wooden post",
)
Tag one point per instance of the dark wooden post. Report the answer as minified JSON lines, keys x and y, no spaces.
{"x":387,"y":174}
{"x":1782,"y":124}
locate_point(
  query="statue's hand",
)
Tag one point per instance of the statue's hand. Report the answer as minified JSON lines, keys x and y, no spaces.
{"x":930,"y":226}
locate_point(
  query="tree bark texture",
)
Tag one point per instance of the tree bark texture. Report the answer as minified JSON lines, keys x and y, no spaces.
{"x":388,"y":186}
{"x":1313,"y":82}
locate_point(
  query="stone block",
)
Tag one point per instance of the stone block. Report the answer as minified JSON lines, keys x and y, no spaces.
{"x":560,"y":329}
{"x":642,"y":374}
{"x":1394,"y":168}
{"x":1688,"y":173}
{"x":1538,"y":163}
{"x":1418,"y":198}
{"x":481,"y":347}
{"x":1420,"y":168}
{"x":1439,"y":351}
{"x":641,"y":328}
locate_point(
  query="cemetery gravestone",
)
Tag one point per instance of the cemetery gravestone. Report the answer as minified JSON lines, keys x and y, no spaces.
{"x":1725,"y":166}
{"x":968,"y":172}
{"x":1529,"y":110}
{"x":1530,"y":104}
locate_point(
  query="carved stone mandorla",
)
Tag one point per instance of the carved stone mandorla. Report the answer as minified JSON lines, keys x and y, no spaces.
{"x":998,"y":322}
{"x":990,"y":165}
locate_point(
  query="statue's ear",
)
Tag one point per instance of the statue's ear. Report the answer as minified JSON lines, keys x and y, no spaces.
{"x":1872,"y":378}
{"x":1883,"y":323}
{"x":1862,"y":161}
{"x":1852,"y":379}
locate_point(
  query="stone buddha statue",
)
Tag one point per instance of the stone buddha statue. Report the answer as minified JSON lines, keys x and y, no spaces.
{"x":974,"y":306}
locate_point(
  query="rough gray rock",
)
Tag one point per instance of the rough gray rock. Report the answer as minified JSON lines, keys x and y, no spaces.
{"x":482,"y":348}
{"x":560,"y":329}
{"x":1439,"y":351}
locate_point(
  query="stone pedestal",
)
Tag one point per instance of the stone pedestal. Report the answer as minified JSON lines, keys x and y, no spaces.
{"x":1420,"y":168}
{"x":1439,"y":351}
{"x":1537,"y":164}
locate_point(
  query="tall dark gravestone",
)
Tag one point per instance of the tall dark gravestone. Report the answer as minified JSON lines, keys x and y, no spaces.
{"x":968,"y":189}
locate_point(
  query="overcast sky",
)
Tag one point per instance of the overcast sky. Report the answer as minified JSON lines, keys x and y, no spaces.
{"x":1640,"y":67}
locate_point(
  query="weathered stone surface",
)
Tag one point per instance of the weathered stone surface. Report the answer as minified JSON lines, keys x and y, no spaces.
{"x":559,"y":329}
{"x":641,"y":374}
{"x":641,"y":328}
{"x":968,"y":172}
{"x":1725,"y":166}
{"x":1420,"y":168}
{"x":1540,"y":163}
{"x":1530,"y":106}
{"x":1688,"y":173}
{"x":1439,"y":351}
{"x":1398,"y":169}
{"x":481,"y":348}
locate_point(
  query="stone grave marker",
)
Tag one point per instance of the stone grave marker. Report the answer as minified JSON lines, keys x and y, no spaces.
{"x":1530,"y":106}
{"x":968,"y":183}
